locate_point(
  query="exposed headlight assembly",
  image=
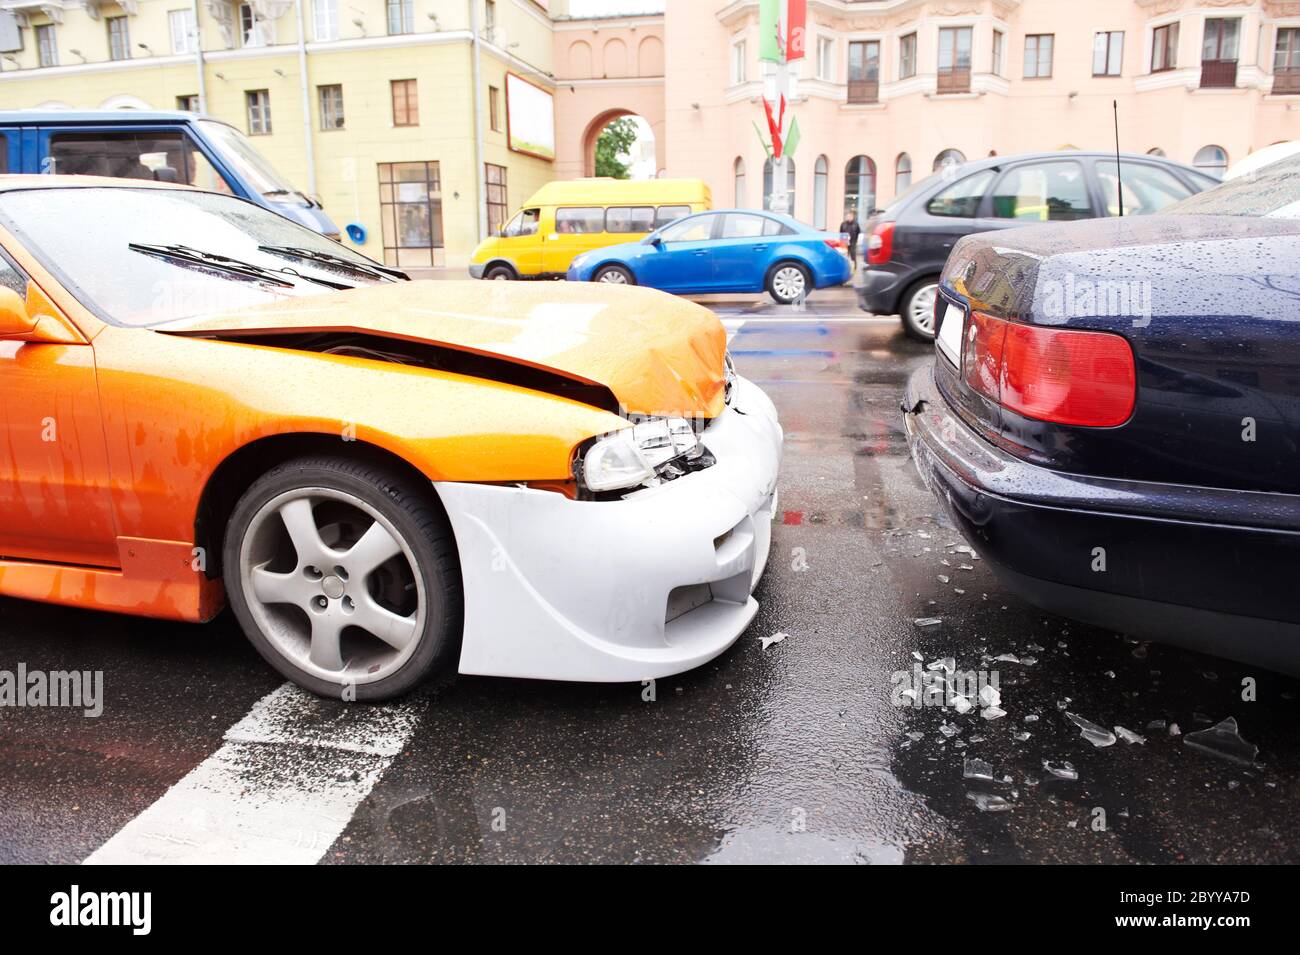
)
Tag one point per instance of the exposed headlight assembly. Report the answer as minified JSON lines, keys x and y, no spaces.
{"x":658,"y":449}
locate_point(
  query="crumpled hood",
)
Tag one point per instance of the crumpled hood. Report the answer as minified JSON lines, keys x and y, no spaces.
{"x":658,"y":354}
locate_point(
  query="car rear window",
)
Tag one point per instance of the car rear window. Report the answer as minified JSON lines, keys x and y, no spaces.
{"x":962,"y":199}
{"x":1147,"y":188}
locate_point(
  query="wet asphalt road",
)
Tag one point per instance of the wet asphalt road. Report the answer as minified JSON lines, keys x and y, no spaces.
{"x":796,"y":753}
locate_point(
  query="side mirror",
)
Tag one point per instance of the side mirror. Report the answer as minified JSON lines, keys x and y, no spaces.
{"x":15,"y":323}
{"x":654,"y":240}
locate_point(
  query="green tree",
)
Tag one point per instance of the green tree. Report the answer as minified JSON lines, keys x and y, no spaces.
{"x":615,"y":139}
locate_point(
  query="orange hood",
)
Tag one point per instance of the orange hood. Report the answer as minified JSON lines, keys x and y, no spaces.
{"x":658,"y":354}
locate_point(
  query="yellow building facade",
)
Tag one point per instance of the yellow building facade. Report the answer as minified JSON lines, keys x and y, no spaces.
{"x":370,"y":102}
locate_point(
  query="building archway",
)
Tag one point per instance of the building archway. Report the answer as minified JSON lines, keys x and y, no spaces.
{"x":644,"y":166}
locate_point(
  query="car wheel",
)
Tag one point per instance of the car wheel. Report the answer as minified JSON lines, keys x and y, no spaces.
{"x":788,"y":283}
{"x":918,"y":309}
{"x":499,"y":273}
{"x":345,"y":578}
{"x":614,"y":275}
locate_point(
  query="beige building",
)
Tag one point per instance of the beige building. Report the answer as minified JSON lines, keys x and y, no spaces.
{"x":400,"y":114}
{"x":370,"y":90}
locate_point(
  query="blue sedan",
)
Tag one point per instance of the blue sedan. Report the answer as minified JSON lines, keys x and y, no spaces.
{"x":1112,"y":416}
{"x":731,"y":250}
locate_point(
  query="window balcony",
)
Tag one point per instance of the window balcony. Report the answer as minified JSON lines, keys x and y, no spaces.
{"x":864,"y":91}
{"x":1218,"y":74}
{"x":953,"y":81}
{"x":1286,"y":81}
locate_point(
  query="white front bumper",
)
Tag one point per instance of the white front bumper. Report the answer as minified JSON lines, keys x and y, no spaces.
{"x":579,"y":590}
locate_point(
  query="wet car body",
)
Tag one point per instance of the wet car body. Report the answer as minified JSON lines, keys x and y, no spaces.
{"x":1180,"y":522}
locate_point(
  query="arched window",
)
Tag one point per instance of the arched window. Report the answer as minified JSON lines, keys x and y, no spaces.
{"x":738,"y":168}
{"x":820,"y":180}
{"x":902,"y":173}
{"x":949,"y":157}
{"x":860,"y":186}
{"x":1212,"y":160}
{"x":789,"y":184}
{"x":1155,"y":151}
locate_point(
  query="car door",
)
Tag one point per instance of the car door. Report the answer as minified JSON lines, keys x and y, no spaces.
{"x":742,"y":251}
{"x":926,"y":233}
{"x":682,"y":259}
{"x":577,"y":229}
{"x":521,"y":242}
{"x":54,"y":476}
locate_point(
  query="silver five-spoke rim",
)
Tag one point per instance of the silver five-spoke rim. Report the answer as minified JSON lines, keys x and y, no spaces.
{"x":788,"y":283}
{"x":921,"y":310}
{"x":332,"y":585}
{"x":613,"y":277}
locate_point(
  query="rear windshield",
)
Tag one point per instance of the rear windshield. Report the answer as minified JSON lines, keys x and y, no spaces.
{"x":1273,"y":191}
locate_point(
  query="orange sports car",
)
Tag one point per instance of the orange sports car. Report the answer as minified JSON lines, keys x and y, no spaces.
{"x":204,"y":401}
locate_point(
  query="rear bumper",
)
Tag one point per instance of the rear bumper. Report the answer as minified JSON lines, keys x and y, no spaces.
{"x":879,"y":289}
{"x":613,"y":591}
{"x":1204,"y":568}
{"x":836,"y":273}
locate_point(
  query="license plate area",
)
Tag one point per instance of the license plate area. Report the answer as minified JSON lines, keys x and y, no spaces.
{"x":951,"y":325}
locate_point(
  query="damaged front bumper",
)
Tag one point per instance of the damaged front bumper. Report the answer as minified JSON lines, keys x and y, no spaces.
{"x":655,"y":583}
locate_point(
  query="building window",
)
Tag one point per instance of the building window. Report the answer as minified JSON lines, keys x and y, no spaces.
{"x":47,"y":48}
{"x":948,"y":159}
{"x":1212,"y":160}
{"x":401,"y":16}
{"x":999,"y":45}
{"x":1156,"y":151}
{"x":1164,"y":48}
{"x":1108,"y":53}
{"x":494,"y":108}
{"x":902,"y":173}
{"x":860,"y":187}
{"x":907,"y":56}
{"x":738,"y":171}
{"x":864,"y":71}
{"x":181,"y":25}
{"x":826,"y":58}
{"x":119,"y":38}
{"x":188,"y":103}
{"x":490,"y":20}
{"x":331,"y":107}
{"x":258,"y":103}
{"x":954,"y":60}
{"x":789,"y":184}
{"x":1219,"y":51}
{"x":737,"y":62}
{"x":1286,"y":61}
{"x":497,"y":206}
{"x":410,"y":213}
{"x":1038,"y":55}
{"x":406,"y":103}
{"x":821,"y":182}
{"x":253,"y":31}
{"x":325,"y":19}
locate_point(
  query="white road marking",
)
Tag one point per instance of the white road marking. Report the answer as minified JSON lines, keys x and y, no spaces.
{"x":280,"y":789}
{"x":732,"y":325}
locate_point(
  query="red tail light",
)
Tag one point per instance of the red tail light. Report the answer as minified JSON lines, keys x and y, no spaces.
{"x":1052,"y":374}
{"x":880,"y":244}
{"x":838,"y":245}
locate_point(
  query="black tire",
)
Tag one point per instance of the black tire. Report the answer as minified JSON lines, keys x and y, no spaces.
{"x":420,"y":523}
{"x":772,"y":283}
{"x":500,"y":272}
{"x":909,"y":303}
{"x":614,"y":270}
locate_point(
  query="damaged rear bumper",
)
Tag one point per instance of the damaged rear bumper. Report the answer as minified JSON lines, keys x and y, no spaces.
{"x":610,"y":591}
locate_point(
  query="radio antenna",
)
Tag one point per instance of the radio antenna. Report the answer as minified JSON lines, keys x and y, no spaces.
{"x":1119,"y":179}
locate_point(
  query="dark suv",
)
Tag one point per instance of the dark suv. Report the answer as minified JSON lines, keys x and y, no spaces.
{"x":908,"y":243}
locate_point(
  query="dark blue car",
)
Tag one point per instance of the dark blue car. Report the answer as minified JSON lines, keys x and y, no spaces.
{"x":1112,"y":416}
{"x":730,"y":250}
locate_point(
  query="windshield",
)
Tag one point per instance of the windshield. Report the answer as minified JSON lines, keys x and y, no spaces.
{"x":1272,"y":192}
{"x":134,"y":286}
{"x":250,"y":165}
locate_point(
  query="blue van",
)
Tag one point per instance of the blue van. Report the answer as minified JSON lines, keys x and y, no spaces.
{"x":162,"y":146}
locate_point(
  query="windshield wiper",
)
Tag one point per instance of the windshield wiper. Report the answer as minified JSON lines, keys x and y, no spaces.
{"x":224,"y":263}
{"x":325,"y":258}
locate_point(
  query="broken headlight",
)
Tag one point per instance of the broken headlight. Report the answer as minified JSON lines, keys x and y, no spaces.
{"x":658,"y":448}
